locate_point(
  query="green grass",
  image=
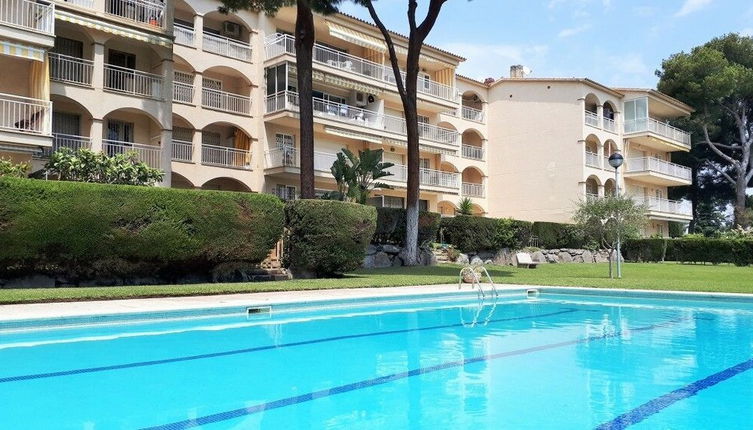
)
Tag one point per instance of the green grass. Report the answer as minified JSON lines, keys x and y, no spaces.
{"x":667,"y":276}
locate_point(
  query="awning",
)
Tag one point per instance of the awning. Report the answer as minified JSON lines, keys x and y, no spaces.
{"x":352,"y":134}
{"x":356,"y":37}
{"x":23,"y":51}
{"x":399,"y":50}
{"x":113,"y":29}
{"x":425,"y":148}
{"x":353,"y":85}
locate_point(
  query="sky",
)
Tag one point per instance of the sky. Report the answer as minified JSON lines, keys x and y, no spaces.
{"x":615,"y":42}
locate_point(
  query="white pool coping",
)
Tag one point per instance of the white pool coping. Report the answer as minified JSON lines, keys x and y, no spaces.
{"x":166,"y":304}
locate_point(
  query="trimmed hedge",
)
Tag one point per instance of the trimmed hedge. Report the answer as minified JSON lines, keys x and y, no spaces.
{"x":327,"y":237}
{"x":87,"y":231}
{"x":691,"y":250}
{"x":390,"y":226}
{"x":554,"y":235}
{"x":512,"y":233}
{"x":470,"y":233}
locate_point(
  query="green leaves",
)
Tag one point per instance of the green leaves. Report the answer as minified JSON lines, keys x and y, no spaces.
{"x":88,"y":166}
{"x":14,"y":170}
{"x":356,"y":176}
{"x":604,"y":219}
{"x":465,"y":206}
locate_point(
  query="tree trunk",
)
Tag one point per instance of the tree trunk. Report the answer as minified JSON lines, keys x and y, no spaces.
{"x":414,"y":155}
{"x":304,"y":47}
{"x":741,"y":218}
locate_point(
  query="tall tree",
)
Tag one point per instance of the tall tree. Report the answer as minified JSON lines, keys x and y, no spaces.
{"x":305,"y":36}
{"x":717,"y":80}
{"x":408,"y":89}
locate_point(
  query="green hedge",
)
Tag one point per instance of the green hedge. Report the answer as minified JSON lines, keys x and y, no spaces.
{"x":470,"y":233}
{"x":327,"y":237}
{"x":512,"y":233}
{"x":390,"y":226}
{"x":692,"y":250}
{"x":94,"y":231}
{"x":554,"y":235}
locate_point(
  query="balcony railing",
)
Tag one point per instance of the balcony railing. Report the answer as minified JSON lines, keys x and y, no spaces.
{"x":224,"y":101}
{"x":182,"y":93}
{"x":473,"y":114}
{"x":473,"y":152}
{"x":279,"y":44}
{"x":149,"y":154}
{"x":657,"y":127}
{"x":592,"y":159}
{"x":473,"y":190}
{"x":675,"y":207}
{"x":89,"y":4}
{"x":651,"y":164}
{"x":281,"y":157}
{"x":72,"y":142}
{"x":227,"y":47}
{"x":429,"y":177}
{"x":592,"y":119}
{"x":73,"y":70}
{"x":24,"y":114}
{"x":129,"y":81}
{"x":609,"y":124}
{"x":184,"y":35}
{"x":149,"y":12}
{"x":224,"y":156}
{"x":38,"y":16}
{"x":182,"y":151}
{"x":354,"y":115}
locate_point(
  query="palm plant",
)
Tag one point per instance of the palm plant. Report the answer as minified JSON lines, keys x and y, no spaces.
{"x":358,"y":175}
{"x":465,"y":206}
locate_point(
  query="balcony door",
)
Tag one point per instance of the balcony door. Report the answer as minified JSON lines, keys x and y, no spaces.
{"x":212,"y":98}
{"x":120,"y":131}
{"x":68,"y":68}
{"x":122,"y":76}
{"x":66,"y":123}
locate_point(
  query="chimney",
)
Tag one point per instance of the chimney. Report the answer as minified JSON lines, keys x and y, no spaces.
{"x":517,"y":72}
{"x":489,"y":81}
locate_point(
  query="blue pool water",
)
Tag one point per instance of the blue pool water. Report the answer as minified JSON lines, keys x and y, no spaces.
{"x":558,"y":361}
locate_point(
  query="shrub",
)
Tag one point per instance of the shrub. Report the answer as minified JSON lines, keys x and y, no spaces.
{"x":15,"y":170}
{"x":327,"y":237}
{"x":691,"y":249}
{"x":390,"y":226}
{"x":646,"y":250}
{"x":88,"y":166}
{"x":71,"y":229}
{"x":512,"y":233}
{"x":554,"y":235}
{"x":470,"y":233}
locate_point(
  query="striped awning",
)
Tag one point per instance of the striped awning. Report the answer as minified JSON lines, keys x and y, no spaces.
{"x":113,"y":29}
{"x":424,"y":148}
{"x":336,"y":131}
{"x":356,"y":37}
{"x":19,"y":50}
{"x":399,"y":50}
{"x":353,"y":85}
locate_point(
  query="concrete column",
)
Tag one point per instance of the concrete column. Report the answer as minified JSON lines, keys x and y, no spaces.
{"x":96,"y":133}
{"x":98,"y":74}
{"x":600,"y":148}
{"x":198,"y":31}
{"x":166,"y":141}
{"x":197,"y":84}
{"x":196,"y":147}
{"x":600,"y":192}
{"x":600,"y":114}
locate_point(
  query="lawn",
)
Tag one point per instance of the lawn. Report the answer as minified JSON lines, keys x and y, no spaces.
{"x":667,"y":276}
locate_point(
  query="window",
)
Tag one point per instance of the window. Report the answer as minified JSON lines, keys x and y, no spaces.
{"x":121,"y":59}
{"x":393,"y":202}
{"x":120,"y":131}
{"x":182,"y":134}
{"x":277,"y":79}
{"x":423,"y":119}
{"x":285,"y":140}
{"x":69,"y":47}
{"x":423,"y":205}
{"x":66,"y":123}
{"x":183,"y":77}
{"x":285,"y":192}
{"x":212,"y":84}
{"x":424,"y":163}
{"x":210,"y":138}
{"x":329,"y":97}
{"x":424,"y":81}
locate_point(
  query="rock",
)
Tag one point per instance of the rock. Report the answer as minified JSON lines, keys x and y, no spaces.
{"x":600,"y":257}
{"x":428,"y":258}
{"x":578,"y":258}
{"x":397,"y":261}
{"x":587,"y":256}
{"x":376,"y":261}
{"x":477,"y":261}
{"x":565,"y":257}
{"x":390,"y":249}
{"x":462,"y":259}
{"x":488,"y":262}
{"x":503,"y":257}
{"x":577,"y":251}
{"x":551,"y":258}
{"x":486,"y":255}
{"x":538,"y":256}
{"x":371,"y":250}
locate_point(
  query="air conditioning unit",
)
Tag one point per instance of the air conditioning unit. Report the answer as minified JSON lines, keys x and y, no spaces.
{"x":362,"y":99}
{"x":231,"y":29}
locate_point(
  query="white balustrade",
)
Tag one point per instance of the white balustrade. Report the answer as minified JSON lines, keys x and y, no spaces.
{"x":661,"y":128}
{"x":281,"y":157}
{"x":89,"y":4}
{"x":675,"y":207}
{"x":473,"y":114}
{"x":592,"y":159}
{"x":592,"y":119}
{"x":609,"y":124}
{"x":25,"y":114}
{"x":151,"y":12}
{"x":225,"y":156}
{"x":182,"y":151}
{"x":184,"y":35}
{"x":182,"y":93}
{"x":129,"y":81}
{"x":429,"y":177}
{"x":651,"y":164}
{"x":149,"y":154}
{"x":226,"y":47}
{"x":473,"y":152}
{"x":224,"y":101}
{"x":473,"y":190}
{"x":38,"y":16}
{"x":70,"y":141}
{"x":64,"y":68}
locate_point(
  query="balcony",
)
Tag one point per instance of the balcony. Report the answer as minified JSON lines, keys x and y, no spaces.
{"x":71,"y":70}
{"x":592,"y":159}
{"x":667,"y":209}
{"x":182,"y":93}
{"x":133,"y":82}
{"x":651,"y":132}
{"x":429,"y":177}
{"x":288,"y":157}
{"x":473,"y":190}
{"x":182,"y":151}
{"x":473,"y":152}
{"x":592,"y":119}
{"x":147,"y":12}
{"x":654,"y":170}
{"x":472,"y":114}
{"x":25,"y":115}
{"x":225,"y":102}
{"x":35,"y":16}
{"x":280,"y":44}
{"x":88,"y":4}
{"x":223,"y":156}
{"x":184,"y":35}
{"x":361,"y":117}
{"x":72,"y":142}
{"x":149,"y":154}
{"x":226,"y":47}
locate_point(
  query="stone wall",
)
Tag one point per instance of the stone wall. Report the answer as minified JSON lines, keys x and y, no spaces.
{"x":379,"y":256}
{"x":506,"y":257}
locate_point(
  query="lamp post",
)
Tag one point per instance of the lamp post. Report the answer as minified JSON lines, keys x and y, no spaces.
{"x":616,"y":160}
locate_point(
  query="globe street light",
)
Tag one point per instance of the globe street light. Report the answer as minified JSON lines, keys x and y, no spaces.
{"x":616,"y":160}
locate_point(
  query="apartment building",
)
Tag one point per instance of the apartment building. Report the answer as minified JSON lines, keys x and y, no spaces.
{"x":211,"y":99}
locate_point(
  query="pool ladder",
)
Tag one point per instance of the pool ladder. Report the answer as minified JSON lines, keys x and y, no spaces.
{"x":473,"y":270}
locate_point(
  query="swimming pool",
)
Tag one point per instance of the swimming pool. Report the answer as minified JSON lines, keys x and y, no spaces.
{"x":558,"y":359}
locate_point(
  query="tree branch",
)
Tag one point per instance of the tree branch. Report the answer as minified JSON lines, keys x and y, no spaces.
{"x":431,"y":18}
{"x":722,"y":172}
{"x":390,"y":47}
{"x":718,"y":151}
